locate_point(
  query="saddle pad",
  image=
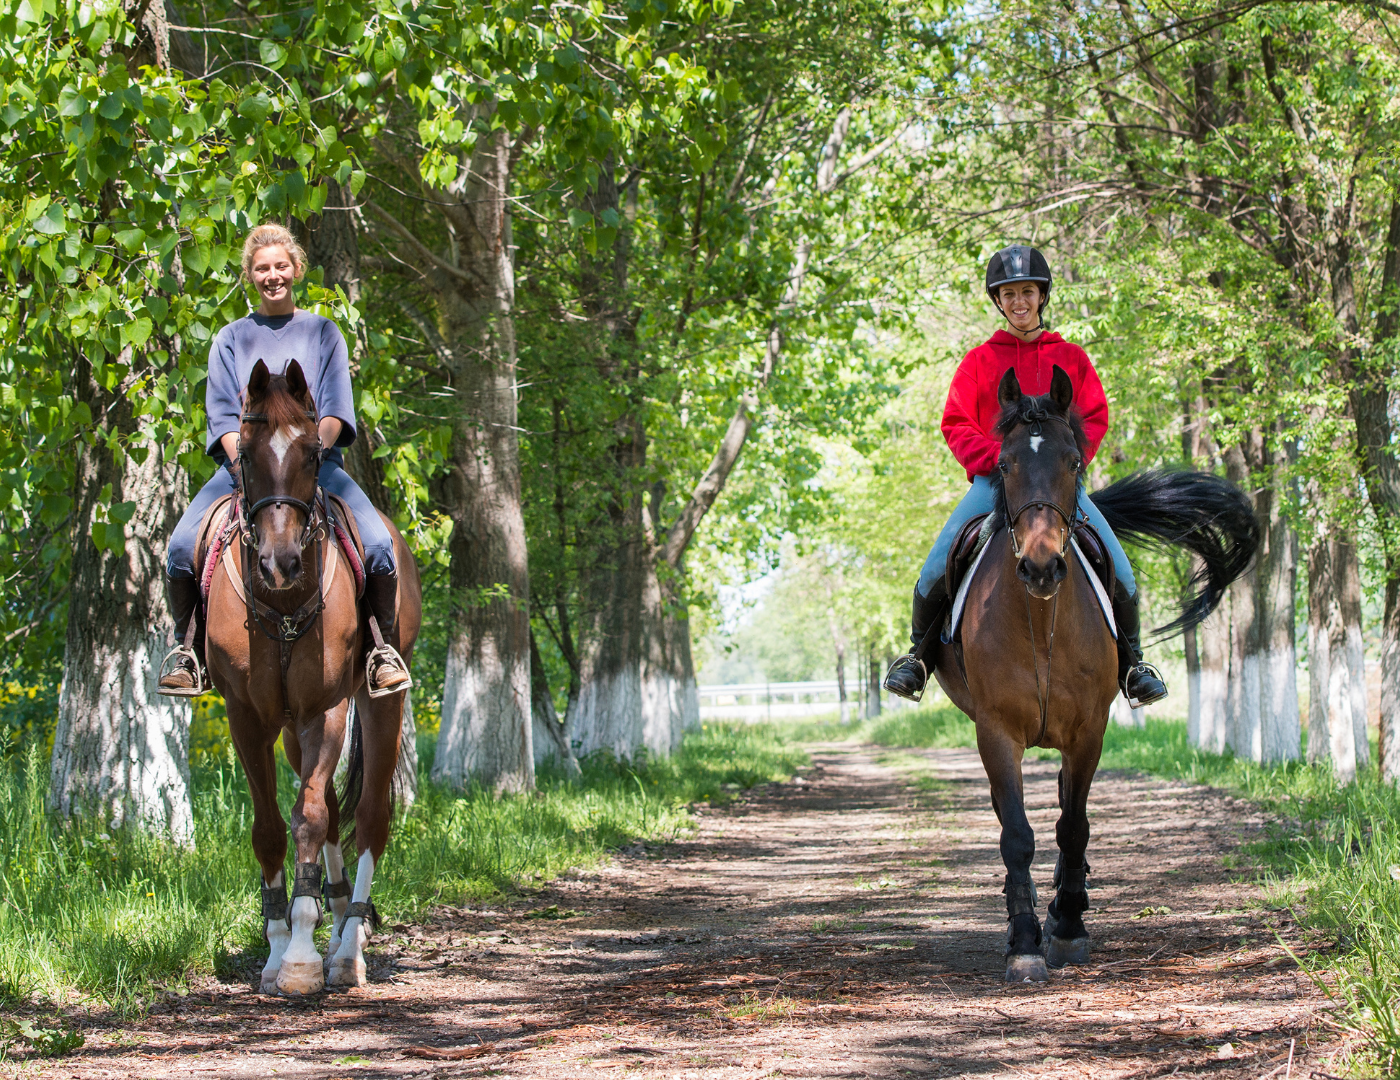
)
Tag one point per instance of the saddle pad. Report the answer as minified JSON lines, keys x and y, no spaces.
{"x":1105,"y":604}
{"x":961,"y":598}
{"x":213,"y":541}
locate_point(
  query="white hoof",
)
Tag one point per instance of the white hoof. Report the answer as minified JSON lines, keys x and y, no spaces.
{"x":300,"y":977}
{"x":347,"y":972}
{"x":269,"y":983}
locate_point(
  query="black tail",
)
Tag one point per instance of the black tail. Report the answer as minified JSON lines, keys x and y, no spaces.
{"x":1206,"y":514}
{"x":354,"y":781}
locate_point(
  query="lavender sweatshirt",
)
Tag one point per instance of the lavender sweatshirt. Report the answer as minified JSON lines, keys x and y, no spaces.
{"x":312,"y":340}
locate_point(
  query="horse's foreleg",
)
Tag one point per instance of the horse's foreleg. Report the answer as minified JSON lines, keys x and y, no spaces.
{"x":269,"y":833}
{"x":380,"y":725}
{"x":1001,"y":757}
{"x":337,"y":883}
{"x":1068,"y":938}
{"x":301,"y":971}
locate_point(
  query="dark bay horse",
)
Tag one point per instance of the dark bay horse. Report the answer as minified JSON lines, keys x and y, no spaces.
{"x":285,"y":648}
{"x":1039,"y":664}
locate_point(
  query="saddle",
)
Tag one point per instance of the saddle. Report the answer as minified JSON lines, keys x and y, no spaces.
{"x":218,"y":530}
{"x":973,"y":537}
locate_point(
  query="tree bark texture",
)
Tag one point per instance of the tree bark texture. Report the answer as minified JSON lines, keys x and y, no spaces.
{"x":1278,"y":723}
{"x":1336,"y":659}
{"x":1208,"y":684}
{"x":486,"y":734}
{"x":120,"y":750}
{"x":550,"y":737}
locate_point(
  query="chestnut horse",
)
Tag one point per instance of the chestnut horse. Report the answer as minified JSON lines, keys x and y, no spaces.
{"x":284,"y":645}
{"x":1039,"y":664}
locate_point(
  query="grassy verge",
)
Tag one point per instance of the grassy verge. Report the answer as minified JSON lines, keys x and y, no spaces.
{"x":111,"y":918}
{"x":1332,"y":852}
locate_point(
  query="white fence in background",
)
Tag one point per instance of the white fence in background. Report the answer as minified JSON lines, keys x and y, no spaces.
{"x":774,"y":701}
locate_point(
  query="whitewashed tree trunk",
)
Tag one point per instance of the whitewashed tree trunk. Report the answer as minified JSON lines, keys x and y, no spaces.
{"x":1242,"y":696}
{"x":121,"y":751}
{"x":486,"y":732}
{"x":1337,"y":676}
{"x":1279,"y":722}
{"x":1208,"y":683}
{"x":550,"y":737}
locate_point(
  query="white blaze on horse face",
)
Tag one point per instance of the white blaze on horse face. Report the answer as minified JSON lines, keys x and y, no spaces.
{"x":281,"y":441}
{"x":1036,"y":440}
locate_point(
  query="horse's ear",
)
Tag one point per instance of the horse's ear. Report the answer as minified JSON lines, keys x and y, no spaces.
{"x":1061,"y":389}
{"x":257,"y":381}
{"x":1009,"y":392}
{"x":296,"y":382}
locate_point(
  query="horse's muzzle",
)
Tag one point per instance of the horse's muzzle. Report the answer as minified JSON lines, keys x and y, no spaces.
{"x":1042,"y":580}
{"x":282,"y":569}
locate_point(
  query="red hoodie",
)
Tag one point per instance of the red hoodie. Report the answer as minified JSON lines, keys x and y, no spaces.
{"x":972,"y":409}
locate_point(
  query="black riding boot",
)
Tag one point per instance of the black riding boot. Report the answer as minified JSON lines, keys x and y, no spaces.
{"x":186,"y":677}
{"x":1142,"y":683}
{"x":909,"y":674}
{"x":385,"y":670}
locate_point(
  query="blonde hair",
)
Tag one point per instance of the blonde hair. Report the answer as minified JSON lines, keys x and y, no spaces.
{"x":268,"y":235}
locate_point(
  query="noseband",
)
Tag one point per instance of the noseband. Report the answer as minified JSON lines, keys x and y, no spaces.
{"x":315,"y":511}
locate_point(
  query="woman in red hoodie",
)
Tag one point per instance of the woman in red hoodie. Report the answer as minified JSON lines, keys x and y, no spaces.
{"x":1018,"y":281}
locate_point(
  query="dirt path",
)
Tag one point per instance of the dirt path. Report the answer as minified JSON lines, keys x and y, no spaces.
{"x":846,"y":924}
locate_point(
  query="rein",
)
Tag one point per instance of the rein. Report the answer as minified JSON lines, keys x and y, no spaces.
{"x":278,"y":626}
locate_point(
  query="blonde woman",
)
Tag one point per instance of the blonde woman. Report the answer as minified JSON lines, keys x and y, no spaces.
{"x":277,"y":332}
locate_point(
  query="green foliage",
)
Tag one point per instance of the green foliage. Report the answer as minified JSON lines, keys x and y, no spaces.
{"x":117,"y":917}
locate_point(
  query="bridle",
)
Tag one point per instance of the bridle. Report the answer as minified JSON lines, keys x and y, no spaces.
{"x":1035,"y":416}
{"x":315,"y":510}
{"x":280,"y":627}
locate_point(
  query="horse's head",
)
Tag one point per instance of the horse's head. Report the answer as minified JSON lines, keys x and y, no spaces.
{"x":1042,"y":453}
{"x":279,"y":453}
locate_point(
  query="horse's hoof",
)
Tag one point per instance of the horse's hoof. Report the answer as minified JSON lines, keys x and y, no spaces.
{"x":1026,"y":969}
{"x":1062,"y":951}
{"x":269,"y":983}
{"x":347,"y":972}
{"x":296,"y":978}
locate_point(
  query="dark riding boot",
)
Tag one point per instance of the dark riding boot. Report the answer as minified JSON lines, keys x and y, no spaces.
{"x":385,"y":671}
{"x":1141,"y":682}
{"x":908,"y":675}
{"x":185,"y":676}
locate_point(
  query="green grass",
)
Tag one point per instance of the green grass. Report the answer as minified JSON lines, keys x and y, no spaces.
{"x":110,"y":920}
{"x":1332,"y":853}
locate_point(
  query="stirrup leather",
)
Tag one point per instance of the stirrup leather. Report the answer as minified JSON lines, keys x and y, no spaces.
{"x":1142,"y":665}
{"x":201,"y":678}
{"x":904,"y":663}
{"x":381,"y":657}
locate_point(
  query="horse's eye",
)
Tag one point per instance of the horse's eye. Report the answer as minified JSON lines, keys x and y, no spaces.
{"x":1004,"y":466}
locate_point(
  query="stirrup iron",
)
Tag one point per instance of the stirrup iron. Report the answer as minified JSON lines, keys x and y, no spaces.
{"x":386,"y":655}
{"x":908,"y":660}
{"x":201,"y":678}
{"x":1152,"y":670}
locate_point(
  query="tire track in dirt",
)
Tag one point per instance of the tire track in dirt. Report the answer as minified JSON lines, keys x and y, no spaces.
{"x":845,"y":924}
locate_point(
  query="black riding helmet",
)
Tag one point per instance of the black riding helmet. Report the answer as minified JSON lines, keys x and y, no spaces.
{"x":1018,"y":263}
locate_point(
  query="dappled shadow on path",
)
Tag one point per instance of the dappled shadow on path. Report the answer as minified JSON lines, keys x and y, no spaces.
{"x":848,"y":923}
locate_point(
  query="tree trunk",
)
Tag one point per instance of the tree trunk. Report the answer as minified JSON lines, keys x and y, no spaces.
{"x":1242,"y":697}
{"x":872,"y":687}
{"x":333,"y":244}
{"x":486,"y":724}
{"x":1207,"y":722}
{"x":550,"y":738}
{"x":1279,"y":723}
{"x":1337,"y":689}
{"x":844,"y":706}
{"x":120,"y":750}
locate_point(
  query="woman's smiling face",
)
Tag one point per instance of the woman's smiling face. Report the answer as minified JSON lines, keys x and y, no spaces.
{"x":1020,"y":303}
{"x":273,"y":273}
